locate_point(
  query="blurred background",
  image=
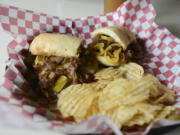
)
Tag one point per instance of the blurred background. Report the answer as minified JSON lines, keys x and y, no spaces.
{"x":168,"y":15}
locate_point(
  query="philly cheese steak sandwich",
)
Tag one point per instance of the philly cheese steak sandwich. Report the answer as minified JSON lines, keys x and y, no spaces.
{"x":115,"y":45}
{"x":61,"y":60}
{"x":58,"y":62}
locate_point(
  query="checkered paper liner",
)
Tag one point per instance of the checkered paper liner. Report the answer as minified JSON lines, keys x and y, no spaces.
{"x":19,"y":106}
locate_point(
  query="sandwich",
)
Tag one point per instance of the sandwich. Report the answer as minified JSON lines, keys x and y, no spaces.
{"x":58,"y":62}
{"x":61,"y":60}
{"x":115,"y":45}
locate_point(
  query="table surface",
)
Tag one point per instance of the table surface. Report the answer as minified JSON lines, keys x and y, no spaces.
{"x":167,"y":15}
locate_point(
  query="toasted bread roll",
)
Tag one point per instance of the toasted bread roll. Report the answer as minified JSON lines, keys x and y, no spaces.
{"x":49,"y":44}
{"x":113,"y":45}
{"x":120,"y":34}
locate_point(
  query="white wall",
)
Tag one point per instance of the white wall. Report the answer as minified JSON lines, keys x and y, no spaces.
{"x":78,"y":8}
{"x":63,"y":8}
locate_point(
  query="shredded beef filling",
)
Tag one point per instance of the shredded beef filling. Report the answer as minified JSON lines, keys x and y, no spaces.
{"x":113,"y":49}
{"x":52,"y":67}
{"x":43,"y":71}
{"x":133,"y":52}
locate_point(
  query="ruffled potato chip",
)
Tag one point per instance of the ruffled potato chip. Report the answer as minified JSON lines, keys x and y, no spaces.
{"x":100,"y":85}
{"x":126,"y":95}
{"x":75,"y":100}
{"x":94,"y":108}
{"x":132,"y":70}
{"x":146,"y":114}
{"x":110,"y":96}
{"x":109,"y":74}
{"x":124,"y":92}
{"x":167,"y":110}
{"x":121,"y":115}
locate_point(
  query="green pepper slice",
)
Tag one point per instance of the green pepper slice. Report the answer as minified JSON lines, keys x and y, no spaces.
{"x":38,"y":61}
{"x":60,"y":83}
{"x":109,"y":39}
{"x":99,"y":47}
{"x":113,"y":58}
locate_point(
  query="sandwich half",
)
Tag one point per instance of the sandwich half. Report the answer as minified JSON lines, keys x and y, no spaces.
{"x":57,"y":63}
{"x":115,"y":45}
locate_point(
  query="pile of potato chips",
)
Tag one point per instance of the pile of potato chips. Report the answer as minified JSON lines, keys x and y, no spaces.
{"x":126,"y":95}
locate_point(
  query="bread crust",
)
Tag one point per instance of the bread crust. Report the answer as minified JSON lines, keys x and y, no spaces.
{"x":120,"y":34}
{"x":49,"y":44}
{"x":103,"y":60}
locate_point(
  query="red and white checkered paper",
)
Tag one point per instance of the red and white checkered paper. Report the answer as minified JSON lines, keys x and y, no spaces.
{"x":19,"y":106}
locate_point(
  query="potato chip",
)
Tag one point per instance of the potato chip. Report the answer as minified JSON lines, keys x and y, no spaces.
{"x":146,"y":114}
{"x":166,"y":98}
{"x":123,"y":91}
{"x":166,"y":89}
{"x":94,"y":108}
{"x":122,"y":114}
{"x":82,"y":108}
{"x":165,"y":112}
{"x":75,"y":100}
{"x":100,"y":85}
{"x":71,"y":90}
{"x":113,"y":92}
{"x":109,"y":74}
{"x":159,"y":92}
{"x":167,"y":95}
{"x":126,"y":95}
{"x":139,"y":119}
{"x":113,"y":114}
{"x":141,"y":90}
{"x":132,"y":70}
